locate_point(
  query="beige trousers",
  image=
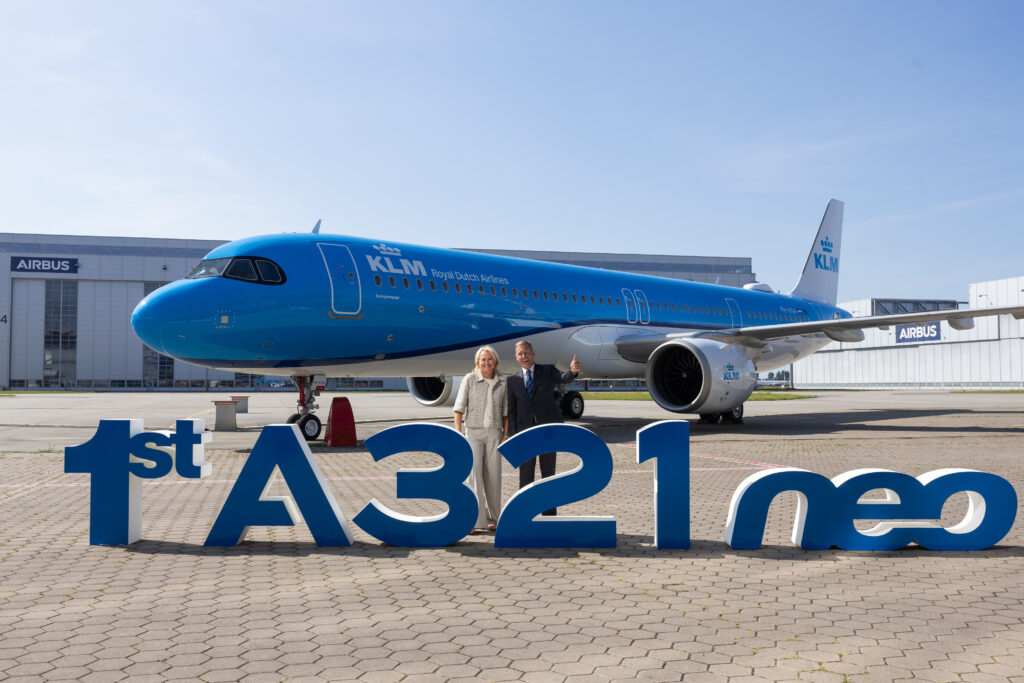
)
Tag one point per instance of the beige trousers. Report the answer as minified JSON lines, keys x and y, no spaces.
{"x":485,"y":479}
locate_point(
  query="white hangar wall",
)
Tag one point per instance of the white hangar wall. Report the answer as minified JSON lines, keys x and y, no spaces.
{"x":990,"y":356}
{"x":65,"y":305}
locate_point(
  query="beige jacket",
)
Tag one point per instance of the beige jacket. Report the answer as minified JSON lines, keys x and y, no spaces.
{"x":470,"y":401}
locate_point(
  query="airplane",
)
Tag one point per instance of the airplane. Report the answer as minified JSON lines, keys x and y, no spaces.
{"x":313,"y":305}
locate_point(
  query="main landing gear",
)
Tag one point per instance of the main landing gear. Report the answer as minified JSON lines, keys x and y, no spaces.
{"x":734,"y":416}
{"x":309,"y":387}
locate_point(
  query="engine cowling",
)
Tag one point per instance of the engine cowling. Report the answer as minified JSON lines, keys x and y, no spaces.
{"x":700,"y":375}
{"x":434,"y":391}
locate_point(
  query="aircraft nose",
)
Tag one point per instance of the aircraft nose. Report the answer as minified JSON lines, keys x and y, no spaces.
{"x":163,"y":317}
{"x":148,"y":323}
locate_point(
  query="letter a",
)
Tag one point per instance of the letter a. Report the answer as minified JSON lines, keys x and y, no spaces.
{"x":280,"y":447}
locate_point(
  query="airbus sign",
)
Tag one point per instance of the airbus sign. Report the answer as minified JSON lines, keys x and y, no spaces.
{"x":39,"y":264}
{"x":906,"y":334}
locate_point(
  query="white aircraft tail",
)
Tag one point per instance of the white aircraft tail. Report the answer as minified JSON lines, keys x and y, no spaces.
{"x":820,"y":279}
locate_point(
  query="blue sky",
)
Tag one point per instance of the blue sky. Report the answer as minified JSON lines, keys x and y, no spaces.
{"x":706,"y":128}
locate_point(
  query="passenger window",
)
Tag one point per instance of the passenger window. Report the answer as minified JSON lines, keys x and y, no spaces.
{"x":494,"y":292}
{"x":545,"y":295}
{"x":565,"y":297}
{"x":515,"y":293}
{"x":241,"y":269}
{"x":444,"y":285}
{"x":377,"y":280}
{"x":419,"y":284}
{"x":537,"y":297}
{"x":481,"y":290}
{"x":469,"y":288}
{"x":574,"y":299}
{"x":504,"y":292}
{"x":269,"y":272}
{"x":391,"y":280}
{"x":405,"y":282}
{"x":600,"y":300}
{"x":433,"y":285}
{"x":458,"y":288}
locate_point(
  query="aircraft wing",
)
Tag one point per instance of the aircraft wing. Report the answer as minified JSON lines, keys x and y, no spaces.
{"x":841,"y":329}
{"x":639,"y":347}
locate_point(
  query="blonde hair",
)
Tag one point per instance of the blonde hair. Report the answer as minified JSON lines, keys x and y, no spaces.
{"x":494,"y":354}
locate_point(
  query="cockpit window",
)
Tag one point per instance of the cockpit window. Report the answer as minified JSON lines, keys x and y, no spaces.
{"x":241,"y":269}
{"x":269,"y":272}
{"x":249,"y":269}
{"x":209,"y":268}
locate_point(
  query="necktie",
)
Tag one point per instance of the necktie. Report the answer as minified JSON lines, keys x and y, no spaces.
{"x":529,"y":383}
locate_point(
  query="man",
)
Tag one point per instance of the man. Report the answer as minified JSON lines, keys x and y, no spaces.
{"x":531,"y":401}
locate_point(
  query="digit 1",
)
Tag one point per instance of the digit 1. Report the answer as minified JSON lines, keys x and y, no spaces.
{"x":668,"y":444}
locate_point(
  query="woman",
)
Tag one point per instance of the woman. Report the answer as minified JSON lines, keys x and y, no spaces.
{"x":482,"y":408}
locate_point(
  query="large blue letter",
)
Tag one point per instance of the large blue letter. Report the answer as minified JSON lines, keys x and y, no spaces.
{"x":668,"y":444}
{"x":280,"y":446}
{"x":445,"y":483}
{"x":904,"y":500}
{"x":991,"y":509}
{"x":815,"y":515}
{"x":517,"y":526}
{"x":115,"y":497}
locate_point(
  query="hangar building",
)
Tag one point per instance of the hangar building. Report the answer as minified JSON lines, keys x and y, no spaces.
{"x":928,"y":356}
{"x":65,"y":304}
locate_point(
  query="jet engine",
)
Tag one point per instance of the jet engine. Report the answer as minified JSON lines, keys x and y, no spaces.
{"x":434,"y":391}
{"x":700,"y":375}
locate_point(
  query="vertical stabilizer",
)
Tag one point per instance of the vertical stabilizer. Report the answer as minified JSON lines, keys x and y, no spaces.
{"x":820,"y":279}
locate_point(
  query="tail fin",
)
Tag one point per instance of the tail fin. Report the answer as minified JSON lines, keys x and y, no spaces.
{"x":820,"y":279}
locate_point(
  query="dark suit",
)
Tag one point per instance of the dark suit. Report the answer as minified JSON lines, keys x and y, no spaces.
{"x":525,"y":412}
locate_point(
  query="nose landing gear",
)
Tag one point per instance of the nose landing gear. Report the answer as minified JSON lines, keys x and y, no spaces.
{"x":309,"y":387}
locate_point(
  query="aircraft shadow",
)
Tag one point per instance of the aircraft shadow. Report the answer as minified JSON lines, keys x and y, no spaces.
{"x":880,"y":421}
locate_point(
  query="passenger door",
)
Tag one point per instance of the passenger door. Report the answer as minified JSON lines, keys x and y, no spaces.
{"x":346,"y":291}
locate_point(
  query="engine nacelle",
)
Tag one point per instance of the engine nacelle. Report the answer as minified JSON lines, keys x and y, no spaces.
{"x":434,"y":391}
{"x":700,"y":375}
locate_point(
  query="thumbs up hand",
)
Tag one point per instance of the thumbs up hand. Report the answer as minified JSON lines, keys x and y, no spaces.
{"x":575,"y":365}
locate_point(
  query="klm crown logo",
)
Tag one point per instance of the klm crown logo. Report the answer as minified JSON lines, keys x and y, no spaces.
{"x":825,"y":261}
{"x":731,"y":373}
{"x":385,"y":250}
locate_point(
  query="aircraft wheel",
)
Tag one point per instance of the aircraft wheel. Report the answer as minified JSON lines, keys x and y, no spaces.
{"x":310,"y":426}
{"x":572,"y":405}
{"x":735,"y":415}
{"x":710,"y":418}
{"x":293,"y":418}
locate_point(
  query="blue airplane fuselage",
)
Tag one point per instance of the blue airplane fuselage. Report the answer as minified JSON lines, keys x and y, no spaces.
{"x":353,"y":306}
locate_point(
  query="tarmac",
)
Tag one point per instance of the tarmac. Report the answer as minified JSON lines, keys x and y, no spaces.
{"x":278,"y":607}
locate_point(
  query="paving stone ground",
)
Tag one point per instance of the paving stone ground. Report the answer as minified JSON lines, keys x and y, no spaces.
{"x":277,"y":607}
